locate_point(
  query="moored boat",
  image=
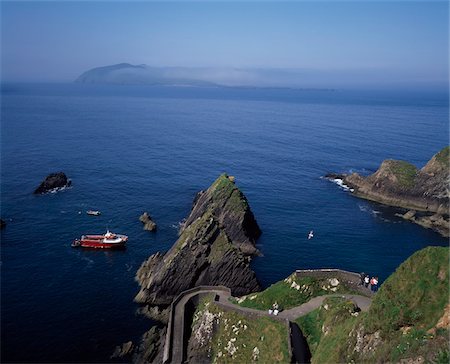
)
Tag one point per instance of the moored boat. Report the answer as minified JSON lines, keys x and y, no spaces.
{"x":93,"y":212}
{"x":108,"y":240}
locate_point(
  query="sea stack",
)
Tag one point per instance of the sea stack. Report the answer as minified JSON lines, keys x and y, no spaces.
{"x":401,"y":184}
{"x":53,"y":181}
{"x":214,"y":248}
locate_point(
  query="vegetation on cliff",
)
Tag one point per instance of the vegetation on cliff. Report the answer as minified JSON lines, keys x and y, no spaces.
{"x":401,"y":184}
{"x":293,"y":291}
{"x":443,"y":156}
{"x":408,"y":318}
{"x":223,"y":336}
{"x":214,"y":248}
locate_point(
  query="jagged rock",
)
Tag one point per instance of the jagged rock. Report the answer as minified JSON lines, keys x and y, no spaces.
{"x":214,"y":248}
{"x":151,"y":348}
{"x":149,"y":224}
{"x":123,"y":350}
{"x":155,"y":313}
{"x":401,"y":184}
{"x":2,"y":223}
{"x":53,"y":182}
{"x":409,"y":215}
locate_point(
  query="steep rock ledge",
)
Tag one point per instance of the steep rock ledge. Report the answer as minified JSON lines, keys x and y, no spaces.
{"x":401,"y":184}
{"x":214,"y":248}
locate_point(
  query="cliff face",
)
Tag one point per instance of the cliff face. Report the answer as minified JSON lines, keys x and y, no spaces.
{"x":408,"y":320}
{"x":214,"y":248}
{"x":399,"y":183}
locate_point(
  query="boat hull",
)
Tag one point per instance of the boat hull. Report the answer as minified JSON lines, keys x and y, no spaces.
{"x":97,"y":244}
{"x":117,"y":241}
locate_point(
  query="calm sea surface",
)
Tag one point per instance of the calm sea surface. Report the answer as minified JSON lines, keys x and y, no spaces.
{"x":135,"y":149}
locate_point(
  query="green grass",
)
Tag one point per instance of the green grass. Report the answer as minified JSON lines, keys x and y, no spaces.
{"x":287,"y":297}
{"x":443,"y":156}
{"x":404,"y":314}
{"x":405,"y":173}
{"x":244,"y":333}
{"x":415,"y":294}
{"x":225,"y":190}
{"x":332,"y":312}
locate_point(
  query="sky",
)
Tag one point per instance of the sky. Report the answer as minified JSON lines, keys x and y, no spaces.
{"x":336,"y":43}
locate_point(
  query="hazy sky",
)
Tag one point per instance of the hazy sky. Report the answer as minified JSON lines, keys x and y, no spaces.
{"x":401,"y":42}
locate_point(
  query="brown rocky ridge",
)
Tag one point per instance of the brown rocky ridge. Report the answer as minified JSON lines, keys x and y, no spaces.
{"x":214,"y":247}
{"x":424,"y":192}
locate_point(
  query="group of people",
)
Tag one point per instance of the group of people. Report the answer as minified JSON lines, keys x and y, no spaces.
{"x":275,"y":310}
{"x":366,"y":281}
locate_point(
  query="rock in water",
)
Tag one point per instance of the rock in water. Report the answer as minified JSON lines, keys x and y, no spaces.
{"x":214,"y":248}
{"x":2,"y":223}
{"x":149,"y":224}
{"x":53,"y":181}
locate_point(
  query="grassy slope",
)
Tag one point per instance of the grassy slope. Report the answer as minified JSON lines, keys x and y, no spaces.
{"x":443,"y":156}
{"x":286,"y":296}
{"x":405,"y":173}
{"x":403,"y":313}
{"x":244,"y":333}
{"x":334,"y":311}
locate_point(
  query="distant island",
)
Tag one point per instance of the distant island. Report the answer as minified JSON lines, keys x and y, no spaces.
{"x":128,"y":74}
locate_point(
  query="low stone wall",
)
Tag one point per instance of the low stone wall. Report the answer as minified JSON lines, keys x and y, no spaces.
{"x":350,"y":279}
{"x":170,"y":324}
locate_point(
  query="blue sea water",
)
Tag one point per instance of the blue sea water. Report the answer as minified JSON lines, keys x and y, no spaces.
{"x":135,"y":149}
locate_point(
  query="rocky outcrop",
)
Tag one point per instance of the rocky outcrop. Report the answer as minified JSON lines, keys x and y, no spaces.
{"x":401,"y":184}
{"x":123,"y":350}
{"x":149,"y":224}
{"x":2,"y":223}
{"x":214,"y":248}
{"x":150,"y":348}
{"x":53,"y":182}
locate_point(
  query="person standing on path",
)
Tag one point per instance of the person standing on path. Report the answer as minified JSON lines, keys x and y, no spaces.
{"x":374,"y":285}
{"x":366,"y":281}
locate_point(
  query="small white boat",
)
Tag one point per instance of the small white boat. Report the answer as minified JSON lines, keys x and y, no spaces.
{"x":93,"y":212}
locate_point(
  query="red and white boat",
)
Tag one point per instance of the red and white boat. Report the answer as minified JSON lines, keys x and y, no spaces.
{"x":108,"y":240}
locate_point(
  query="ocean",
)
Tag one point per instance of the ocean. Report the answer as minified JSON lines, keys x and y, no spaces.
{"x":130,"y":149}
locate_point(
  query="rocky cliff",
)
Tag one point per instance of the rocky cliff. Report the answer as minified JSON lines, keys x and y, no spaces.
{"x":408,"y":320}
{"x":401,"y":184}
{"x":214,"y":248}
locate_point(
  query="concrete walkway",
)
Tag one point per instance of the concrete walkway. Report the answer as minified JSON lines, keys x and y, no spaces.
{"x":361,"y":301}
{"x":177,"y":343}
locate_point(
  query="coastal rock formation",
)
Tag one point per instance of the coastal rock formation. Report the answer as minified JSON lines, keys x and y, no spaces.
{"x":214,"y":248}
{"x":407,"y":320}
{"x":2,"y":223}
{"x":53,"y":181}
{"x":149,"y":224}
{"x":401,"y":184}
{"x":150,"y":348}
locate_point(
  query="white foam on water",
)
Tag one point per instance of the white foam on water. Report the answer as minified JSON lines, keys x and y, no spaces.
{"x":340,"y":183}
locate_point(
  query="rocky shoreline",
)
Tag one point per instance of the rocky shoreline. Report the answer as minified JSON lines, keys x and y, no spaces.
{"x":423,"y":192}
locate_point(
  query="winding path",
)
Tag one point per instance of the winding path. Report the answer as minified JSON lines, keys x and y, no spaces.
{"x":174,"y":345}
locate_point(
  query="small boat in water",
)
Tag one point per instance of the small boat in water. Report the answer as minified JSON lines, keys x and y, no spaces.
{"x":93,"y":212}
{"x":108,"y":240}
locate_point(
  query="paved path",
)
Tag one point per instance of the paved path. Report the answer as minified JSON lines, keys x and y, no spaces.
{"x":361,"y":301}
{"x":177,"y":346}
